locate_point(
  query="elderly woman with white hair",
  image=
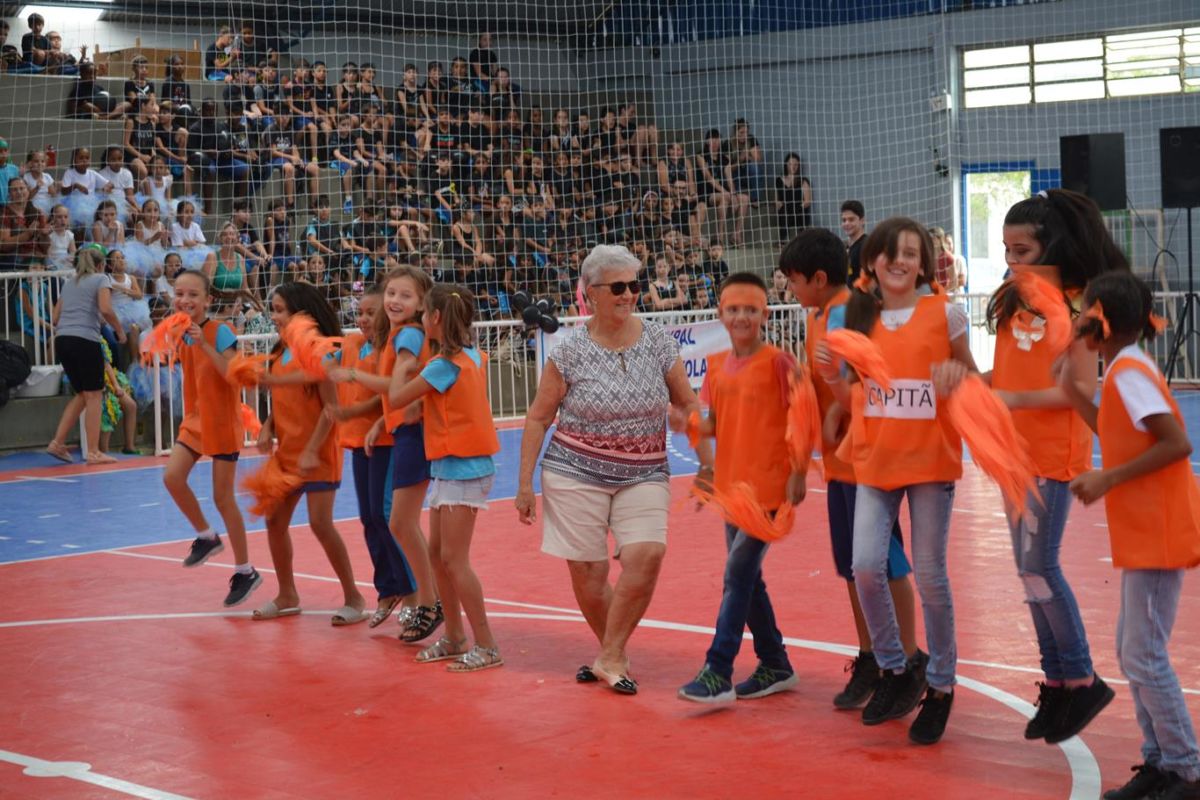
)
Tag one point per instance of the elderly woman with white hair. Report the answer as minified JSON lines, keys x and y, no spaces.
{"x":610,"y":383}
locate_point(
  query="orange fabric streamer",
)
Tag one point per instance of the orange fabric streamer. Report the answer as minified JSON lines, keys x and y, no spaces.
{"x":1158,"y":323}
{"x":803,"y":433}
{"x":308,"y":346}
{"x":863,"y":282}
{"x":250,"y":421}
{"x":166,"y":338}
{"x":986,"y":425}
{"x":270,"y":486}
{"x":1047,"y":301}
{"x":246,"y":370}
{"x":862,"y":354}
{"x":740,"y":507}
{"x":1096,"y":312}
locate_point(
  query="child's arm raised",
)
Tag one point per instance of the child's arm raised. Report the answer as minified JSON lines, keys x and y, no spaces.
{"x":1171,"y":445}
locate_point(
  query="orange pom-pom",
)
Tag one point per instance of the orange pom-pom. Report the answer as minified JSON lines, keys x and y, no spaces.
{"x":803,"y":434}
{"x":986,"y":425}
{"x":250,"y":421}
{"x":309,"y":348}
{"x":246,"y":370}
{"x":862,"y":354}
{"x":166,"y":338}
{"x":1047,"y":301}
{"x":270,"y":486}
{"x":740,"y":507}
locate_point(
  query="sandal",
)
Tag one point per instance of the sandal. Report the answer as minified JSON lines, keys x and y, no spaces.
{"x":96,"y":459}
{"x":476,"y":659}
{"x":424,"y":621}
{"x":383,"y":611}
{"x":585,"y":675}
{"x":405,"y":615}
{"x":619,"y":683}
{"x":442,"y":650}
{"x":60,"y":452}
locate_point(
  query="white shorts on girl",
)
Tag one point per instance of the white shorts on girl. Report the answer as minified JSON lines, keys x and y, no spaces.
{"x":472,"y":492}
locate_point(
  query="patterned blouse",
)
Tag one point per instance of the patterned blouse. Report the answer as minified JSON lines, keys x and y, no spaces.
{"x":612,"y":425}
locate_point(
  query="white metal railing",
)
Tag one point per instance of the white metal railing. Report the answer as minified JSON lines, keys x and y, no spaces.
{"x":27,"y":299}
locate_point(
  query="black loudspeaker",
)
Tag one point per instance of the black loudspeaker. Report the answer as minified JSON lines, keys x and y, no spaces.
{"x":1179,"y":149}
{"x":1094,"y":165}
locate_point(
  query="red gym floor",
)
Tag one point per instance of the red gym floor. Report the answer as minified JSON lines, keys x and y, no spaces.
{"x":124,"y":661}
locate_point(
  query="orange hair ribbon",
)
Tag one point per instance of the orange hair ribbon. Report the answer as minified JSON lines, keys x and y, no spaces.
{"x":740,"y":507}
{"x":166,"y":338}
{"x":986,"y":425}
{"x":1158,"y":323}
{"x":1096,"y":312}
{"x":862,"y":354}
{"x":863,"y":282}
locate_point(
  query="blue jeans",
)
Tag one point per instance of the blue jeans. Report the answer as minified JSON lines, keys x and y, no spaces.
{"x":1036,"y":540}
{"x":929,"y":507}
{"x":839,"y":501}
{"x":745,"y":604}
{"x":373,"y":488}
{"x":1149,"y":603}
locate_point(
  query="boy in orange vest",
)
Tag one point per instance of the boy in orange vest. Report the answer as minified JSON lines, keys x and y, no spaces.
{"x":815,"y":264}
{"x":1152,"y":502}
{"x":746,"y":390}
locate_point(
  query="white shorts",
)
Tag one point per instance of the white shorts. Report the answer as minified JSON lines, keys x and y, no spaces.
{"x":577,"y":516}
{"x":472,"y":492}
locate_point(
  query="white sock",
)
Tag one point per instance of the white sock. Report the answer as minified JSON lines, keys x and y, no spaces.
{"x":243,"y":569}
{"x":207,"y":533}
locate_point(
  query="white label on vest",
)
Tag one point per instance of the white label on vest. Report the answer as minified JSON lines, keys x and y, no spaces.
{"x":907,"y":398}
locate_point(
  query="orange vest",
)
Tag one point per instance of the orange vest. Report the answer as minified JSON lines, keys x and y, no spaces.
{"x":410,"y":414}
{"x":818,"y":321}
{"x":459,"y":421}
{"x":212,"y":420}
{"x":353,"y":432}
{"x":1154,"y":520}
{"x":751,"y":410}
{"x":1060,"y":442}
{"x":903,"y":436}
{"x":295,"y":411}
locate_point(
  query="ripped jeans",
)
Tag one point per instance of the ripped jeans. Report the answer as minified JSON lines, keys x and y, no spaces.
{"x":1036,"y":540}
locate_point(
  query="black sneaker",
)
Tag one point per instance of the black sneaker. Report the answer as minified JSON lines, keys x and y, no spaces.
{"x":1176,"y":788}
{"x":919,"y":663}
{"x":1049,"y":706}
{"x":1080,"y":707}
{"x":241,"y":585}
{"x":202,"y":550}
{"x":864,"y":675}
{"x":1146,"y":782}
{"x":895,"y":696}
{"x":929,"y":725}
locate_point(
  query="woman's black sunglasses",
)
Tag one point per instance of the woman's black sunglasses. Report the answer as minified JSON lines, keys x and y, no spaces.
{"x":618,"y":288}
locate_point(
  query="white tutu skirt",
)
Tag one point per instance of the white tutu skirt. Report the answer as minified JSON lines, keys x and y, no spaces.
{"x":45,"y":202}
{"x":194,"y":257}
{"x":133,"y":312}
{"x":141,"y":384}
{"x":82,"y":207}
{"x":143,"y":260}
{"x":194,"y":199}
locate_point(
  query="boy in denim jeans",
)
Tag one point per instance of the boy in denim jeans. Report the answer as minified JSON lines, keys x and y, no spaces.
{"x":746,"y":390}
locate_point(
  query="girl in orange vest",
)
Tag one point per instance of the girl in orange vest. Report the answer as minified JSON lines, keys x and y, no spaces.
{"x":212,"y":426}
{"x":902,"y":443}
{"x":301,"y":438}
{"x":1064,"y":230}
{"x":358,"y":410}
{"x":1152,"y":502}
{"x":460,"y":440}
{"x":404,"y":353}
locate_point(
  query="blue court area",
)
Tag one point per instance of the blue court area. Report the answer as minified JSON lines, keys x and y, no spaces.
{"x":43,"y":517}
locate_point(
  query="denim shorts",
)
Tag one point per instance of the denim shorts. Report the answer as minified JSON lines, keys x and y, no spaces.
{"x":472,"y":492}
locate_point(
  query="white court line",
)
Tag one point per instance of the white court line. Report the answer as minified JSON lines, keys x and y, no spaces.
{"x":98,"y":510}
{"x":48,"y":516}
{"x":82,"y":772}
{"x":36,"y":478}
{"x":1085,"y":771}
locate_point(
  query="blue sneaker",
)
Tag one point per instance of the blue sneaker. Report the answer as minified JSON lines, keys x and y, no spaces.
{"x":708,"y":687}
{"x":765,"y":681}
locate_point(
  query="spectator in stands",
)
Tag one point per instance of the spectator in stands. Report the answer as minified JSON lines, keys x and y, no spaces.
{"x":228,"y":272}
{"x":746,"y":159}
{"x":121,"y":180}
{"x":83,"y":304}
{"x":346,"y":92}
{"x":561,"y":135}
{"x":357,"y":234}
{"x":535,"y":132}
{"x":35,"y":46}
{"x":793,"y":199}
{"x":267,"y":93}
{"x":484,"y":63}
{"x":642,"y":135}
{"x":467,"y":244}
{"x":324,"y":102}
{"x":714,"y":263}
{"x":370,"y":143}
{"x":24,"y":231}
{"x":42,"y":186}
{"x":677,"y":180}
{"x":539,"y":240}
{"x":663,"y":292}
{"x":503,"y":97}
{"x":80,"y":177}
{"x":239,"y":100}
{"x":346,"y":158}
{"x":285,"y":155}
{"x":249,"y":243}
{"x":481,"y":185}
{"x":321,"y":235}
{"x":212,"y":152}
{"x":138,"y":89}
{"x":854,"y":223}
{"x":171,"y":143}
{"x":584,"y":138}
{"x":960,"y":263}
{"x":86,"y":100}
{"x":944,"y":272}
{"x":250,"y":47}
{"x":220,"y":60}
{"x":476,"y":138}
{"x":175,"y":87}
{"x":715,"y":187}
{"x":60,"y":61}
{"x":8,"y":170}
{"x":417,"y":127}
{"x":277,"y":227}
{"x":370,"y":97}
{"x":138,"y":137}
{"x":440,"y":190}
{"x":460,"y":88}
{"x":436,"y":95}
{"x":298,"y":100}
{"x":10,"y":56}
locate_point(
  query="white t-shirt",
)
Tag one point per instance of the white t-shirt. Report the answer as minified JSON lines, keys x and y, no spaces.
{"x":43,"y":184}
{"x":178,"y":234}
{"x":121,"y":180}
{"x":160,"y":193}
{"x":1142,"y":397}
{"x":59,"y":255}
{"x":956,"y":319}
{"x":90,"y":180}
